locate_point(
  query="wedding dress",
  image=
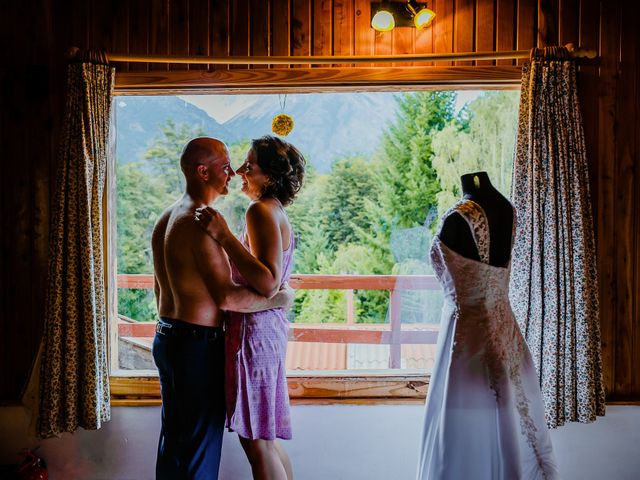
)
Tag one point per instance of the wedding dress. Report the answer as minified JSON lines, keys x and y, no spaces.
{"x":484,"y":416}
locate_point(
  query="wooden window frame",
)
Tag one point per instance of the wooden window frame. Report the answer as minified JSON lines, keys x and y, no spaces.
{"x":143,"y":388}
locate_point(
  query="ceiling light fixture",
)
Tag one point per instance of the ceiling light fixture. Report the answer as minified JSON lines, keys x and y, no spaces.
{"x":383,"y":21}
{"x":422,"y":16}
{"x":387,"y":15}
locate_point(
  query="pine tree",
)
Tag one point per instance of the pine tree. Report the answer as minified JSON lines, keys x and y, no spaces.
{"x":408,"y":180}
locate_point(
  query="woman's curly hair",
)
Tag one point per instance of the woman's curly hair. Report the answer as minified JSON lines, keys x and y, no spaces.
{"x":283,"y":164}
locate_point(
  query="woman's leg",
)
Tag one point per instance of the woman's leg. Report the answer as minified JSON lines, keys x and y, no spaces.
{"x":284,"y":458}
{"x":264,"y":459}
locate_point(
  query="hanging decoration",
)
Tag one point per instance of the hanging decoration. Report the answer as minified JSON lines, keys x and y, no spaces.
{"x":282,"y":124}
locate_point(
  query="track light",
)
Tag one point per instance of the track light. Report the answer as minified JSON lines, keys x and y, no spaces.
{"x":422,"y":16}
{"x":383,"y":21}
{"x":387,"y":15}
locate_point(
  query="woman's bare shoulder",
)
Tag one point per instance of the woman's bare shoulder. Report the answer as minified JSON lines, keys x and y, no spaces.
{"x":263,"y":209}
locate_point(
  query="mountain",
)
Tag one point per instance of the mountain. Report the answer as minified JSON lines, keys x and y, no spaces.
{"x":138,"y":122}
{"x":327,"y":126}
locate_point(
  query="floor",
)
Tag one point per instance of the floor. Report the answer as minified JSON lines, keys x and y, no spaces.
{"x":353,"y":442}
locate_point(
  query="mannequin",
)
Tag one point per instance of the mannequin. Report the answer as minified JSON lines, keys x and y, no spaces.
{"x":456,"y":233}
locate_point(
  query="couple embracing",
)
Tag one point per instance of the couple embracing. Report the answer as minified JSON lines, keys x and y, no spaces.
{"x":221,"y":339}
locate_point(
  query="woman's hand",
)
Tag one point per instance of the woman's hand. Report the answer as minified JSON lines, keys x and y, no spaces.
{"x":212,"y":222}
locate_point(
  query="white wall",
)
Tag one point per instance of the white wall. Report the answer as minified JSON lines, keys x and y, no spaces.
{"x":361,"y":439}
{"x":331,"y":442}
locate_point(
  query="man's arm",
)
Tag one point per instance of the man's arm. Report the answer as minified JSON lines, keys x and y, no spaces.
{"x":213,"y":266}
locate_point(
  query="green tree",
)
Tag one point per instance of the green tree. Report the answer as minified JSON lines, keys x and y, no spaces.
{"x":140,"y":200}
{"x":408,"y":180}
{"x":328,"y":217}
{"x":483,"y":138}
{"x":312,"y":240}
{"x":349,"y":183}
{"x":163,"y":155}
{"x":370,"y":306}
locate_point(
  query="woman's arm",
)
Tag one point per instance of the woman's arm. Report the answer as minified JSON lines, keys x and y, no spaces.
{"x":262,"y":266}
{"x":214,"y":269}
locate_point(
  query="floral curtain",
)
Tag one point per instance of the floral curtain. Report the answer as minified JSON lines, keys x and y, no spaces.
{"x":74,"y":382}
{"x":554,"y":283}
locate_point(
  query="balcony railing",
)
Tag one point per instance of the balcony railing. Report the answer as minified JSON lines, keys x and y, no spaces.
{"x":390,"y":333}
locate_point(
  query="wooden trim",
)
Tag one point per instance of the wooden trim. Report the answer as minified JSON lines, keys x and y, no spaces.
{"x":110,"y":254}
{"x":323,"y":59}
{"x":135,"y":402}
{"x":633,"y":401}
{"x":138,"y":387}
{"x":333,"y":387}
{"x":157,"y":402}
{"x":463,"y":41}
{"x":358,"y":401}
{"x":306,"y":80}
{"x":363,"y":387}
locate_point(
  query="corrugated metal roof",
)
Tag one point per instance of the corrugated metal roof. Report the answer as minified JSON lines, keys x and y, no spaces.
{"x":340,"y":356}
{"x":367,"y":357}
{"x":418,"y":356}
{"x":316,"y":356}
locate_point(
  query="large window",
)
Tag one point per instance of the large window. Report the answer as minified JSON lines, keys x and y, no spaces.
{"x":382,"y":168}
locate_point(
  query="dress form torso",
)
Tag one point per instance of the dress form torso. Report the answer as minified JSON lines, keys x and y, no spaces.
{"x":456,"y":234}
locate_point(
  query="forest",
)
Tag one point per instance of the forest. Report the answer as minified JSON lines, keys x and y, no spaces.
{"x":373,"y":214}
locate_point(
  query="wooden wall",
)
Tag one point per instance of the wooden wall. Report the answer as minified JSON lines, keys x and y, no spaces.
{"x":32,"y":74}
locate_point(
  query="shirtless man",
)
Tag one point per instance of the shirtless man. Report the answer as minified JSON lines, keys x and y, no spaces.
{"x":193,"y":286}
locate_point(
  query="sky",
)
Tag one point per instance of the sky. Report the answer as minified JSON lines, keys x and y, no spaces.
{"x":224,"y":107}
{"x":220,"y":107}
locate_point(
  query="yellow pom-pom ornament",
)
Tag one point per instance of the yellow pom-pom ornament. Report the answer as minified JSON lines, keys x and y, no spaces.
{"x":282,"y":124}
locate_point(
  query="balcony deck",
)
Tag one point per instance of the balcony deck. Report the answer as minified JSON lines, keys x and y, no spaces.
{"x":334,"y":346}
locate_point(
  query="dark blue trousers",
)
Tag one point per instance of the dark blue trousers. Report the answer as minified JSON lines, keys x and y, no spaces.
{"x":190,"y":360}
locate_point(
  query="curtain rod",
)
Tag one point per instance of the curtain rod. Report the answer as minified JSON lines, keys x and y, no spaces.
{"x":328,"y":59}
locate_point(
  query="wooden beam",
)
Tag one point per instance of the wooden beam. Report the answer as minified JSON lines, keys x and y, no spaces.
{"x":317,"y":80}
{"x":141,"y":391}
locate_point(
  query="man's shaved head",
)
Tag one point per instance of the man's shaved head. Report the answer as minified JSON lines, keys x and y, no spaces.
{"x":206,"y":167}
{"x":201,"y":150}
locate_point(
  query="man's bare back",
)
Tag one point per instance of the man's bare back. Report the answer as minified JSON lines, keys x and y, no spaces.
{"x":180,"y":251}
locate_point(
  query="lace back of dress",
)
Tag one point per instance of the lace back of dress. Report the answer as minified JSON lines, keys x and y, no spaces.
{"x":478,"y":224}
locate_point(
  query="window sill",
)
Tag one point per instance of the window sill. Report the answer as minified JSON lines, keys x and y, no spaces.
{"x":329,"y":387}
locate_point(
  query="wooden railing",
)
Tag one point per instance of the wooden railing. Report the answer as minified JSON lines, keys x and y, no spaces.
{"x":390,"y":334}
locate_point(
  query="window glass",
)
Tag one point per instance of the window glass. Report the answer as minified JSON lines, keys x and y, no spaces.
{"x":381,"y":169}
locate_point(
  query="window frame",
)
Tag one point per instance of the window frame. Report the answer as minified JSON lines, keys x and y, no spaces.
{"x":143,"y":387}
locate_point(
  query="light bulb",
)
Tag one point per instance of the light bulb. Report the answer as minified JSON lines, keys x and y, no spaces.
{"x":423,"y":18}
{"x":383,"y":21}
